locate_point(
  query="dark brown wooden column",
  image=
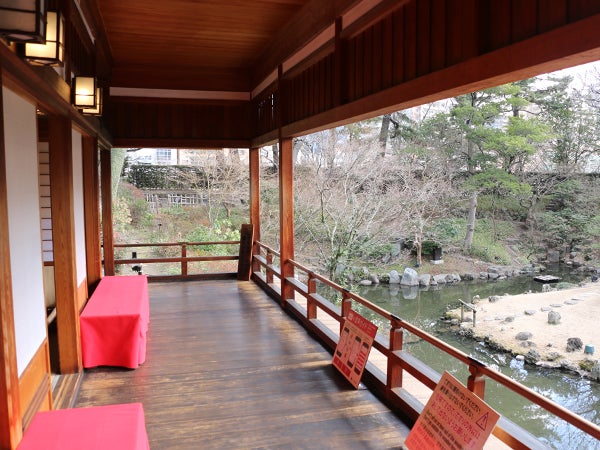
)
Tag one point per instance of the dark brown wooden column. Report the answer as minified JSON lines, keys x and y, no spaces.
{"x":286,"y":215}
{"x":63,"y":238}
{"x":10,"y":407}
{"x":91,"y":205}
{"x":107,"y":223}
{"x":254,"y":167}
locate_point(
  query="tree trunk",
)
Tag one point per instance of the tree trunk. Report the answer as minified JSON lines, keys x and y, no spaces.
{"x":419,"y":248}
{"x":384,"y":132}
{"x":470,"y":223}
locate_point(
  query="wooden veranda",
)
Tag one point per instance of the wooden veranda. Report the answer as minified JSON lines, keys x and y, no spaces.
{"x":241,"y":74}
{"x":227,"y":368}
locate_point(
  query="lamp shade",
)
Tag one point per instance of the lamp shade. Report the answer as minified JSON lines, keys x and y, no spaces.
{"x":83,"y":92}
{"x":52,"y":53}
{"x":23,"y":20}
{"x":97,"y":111}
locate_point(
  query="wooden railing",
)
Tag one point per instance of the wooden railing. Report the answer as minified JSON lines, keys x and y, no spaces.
{"x":182,"y":259}
{"x":387,"y":381}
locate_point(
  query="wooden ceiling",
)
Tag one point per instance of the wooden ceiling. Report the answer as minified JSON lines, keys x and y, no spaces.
{"x":197,"y":44}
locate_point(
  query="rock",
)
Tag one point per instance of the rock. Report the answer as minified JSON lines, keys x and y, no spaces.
{"x":493,"y":269}
{"x":520,"y":358}
{"x":483,"y":275}
{"x":532,"y":356}
{"x":545,"y":309}
{"x":394,"y":277}
{"x":456,"y":277}
{"x":493,"y":298}
{"x":530,"y":312}
{"x":493,"y":276}
{"x":553,"y":318}
{"x":450,"y":279}
{"x":374,"y":278}
{"x":509,"y":319}
{"x":556,"y":305}
{"x":570,"y":302}
{"x":574,"y":344}
{"x":425,"y":279}
{"x":440,"y":279}
{"x":595,"y":372}
{"x":469,"y":276}
{"x":524,"y":336}
{"x":553,"y":356}
{"x":365,"y":283}
{"x":410,"y":277}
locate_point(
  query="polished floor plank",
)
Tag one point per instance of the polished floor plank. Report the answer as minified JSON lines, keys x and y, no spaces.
{"x":226,"y":368}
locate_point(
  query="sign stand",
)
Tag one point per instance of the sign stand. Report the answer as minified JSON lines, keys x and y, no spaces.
{"x":354,"y":346}
{"x":453,"y":419}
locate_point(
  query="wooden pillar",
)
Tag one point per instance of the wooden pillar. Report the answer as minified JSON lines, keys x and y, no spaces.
{"x":286,"y":215}
{"x":10,"y":406}
{"x":254,"y":167}
{"x":91,"y":205}
{"x":63,"y":239}
{"x":107,"y":223}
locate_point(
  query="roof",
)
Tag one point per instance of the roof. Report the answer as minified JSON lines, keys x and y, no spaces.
{"x":196,"y":44}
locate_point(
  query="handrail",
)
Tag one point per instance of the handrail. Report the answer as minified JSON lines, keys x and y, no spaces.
{"x":183,"y":259}
{"x":396,"y":363}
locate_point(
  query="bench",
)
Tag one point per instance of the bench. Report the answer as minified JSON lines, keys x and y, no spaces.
{"x":114,"y":427}
{"x":114,"y":323}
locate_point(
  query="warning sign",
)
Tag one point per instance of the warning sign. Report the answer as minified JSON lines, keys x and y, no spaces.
{"x":354,"y":346}
{"x":453,"y":419}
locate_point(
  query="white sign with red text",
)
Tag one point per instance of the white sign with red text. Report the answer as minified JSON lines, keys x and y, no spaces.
{"x":354,"y":346}
{"x":453,"y":419}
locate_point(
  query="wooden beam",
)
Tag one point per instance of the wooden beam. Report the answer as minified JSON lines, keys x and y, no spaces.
{"x":314,"y":17}
{"x":286,"y":216}
{"x":107,"y":227}
{"x":568,"y":46}
{"x":254,"y":168}
{"x":91,"y":205}
{"x":10,"y":407}
{"x":63,"y":238}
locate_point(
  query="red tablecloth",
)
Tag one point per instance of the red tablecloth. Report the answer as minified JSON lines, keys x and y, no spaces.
{"x":113,"y":427}
{"x":114,"y":323}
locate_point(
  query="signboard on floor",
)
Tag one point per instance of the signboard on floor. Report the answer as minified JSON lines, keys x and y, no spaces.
{"x":353,"y":348}
{"x":453,"y":419}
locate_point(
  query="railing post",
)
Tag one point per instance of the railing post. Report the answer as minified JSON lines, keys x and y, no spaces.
{"x":476,"y":381}
{"x":346,"y":307}
{"x":184,"y":267}
{"x":269,"y":271}
{"x":311,"y":308}
{"x":394,"y":370}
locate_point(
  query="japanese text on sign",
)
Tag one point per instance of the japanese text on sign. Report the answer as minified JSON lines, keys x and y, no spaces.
{"x":453,"y":419}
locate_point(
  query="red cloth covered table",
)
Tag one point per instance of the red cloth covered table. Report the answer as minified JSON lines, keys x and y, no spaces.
{"x":113,"y":427}
{"x":114,"y":323}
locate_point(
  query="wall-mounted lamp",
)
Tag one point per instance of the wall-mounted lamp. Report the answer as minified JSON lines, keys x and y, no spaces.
{"x":52,"y":53}
{"x":83,"y":92}
{"x":23,"y":20}
{"x":97,"y":111}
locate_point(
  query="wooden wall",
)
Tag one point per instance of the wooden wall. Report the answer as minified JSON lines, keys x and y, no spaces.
{"x":398,"y":55}
{"x":412,"y":42}
{"x":177,"y":123}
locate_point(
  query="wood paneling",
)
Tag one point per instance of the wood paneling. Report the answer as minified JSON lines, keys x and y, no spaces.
{"x":145,"y":120}
{"x":226,"y":368}
{"x":10,"y":405}
{"x":35,"y":390}
{"x":91,"y":205}
{"x":63,"y":238}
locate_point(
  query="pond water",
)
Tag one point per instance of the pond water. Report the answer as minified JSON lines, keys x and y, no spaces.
{"x":424,"y":308}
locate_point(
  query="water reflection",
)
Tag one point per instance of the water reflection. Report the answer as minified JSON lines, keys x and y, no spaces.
{"x":423,"y":308}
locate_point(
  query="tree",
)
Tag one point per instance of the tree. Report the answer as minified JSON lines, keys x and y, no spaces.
{"x":343,"y":199}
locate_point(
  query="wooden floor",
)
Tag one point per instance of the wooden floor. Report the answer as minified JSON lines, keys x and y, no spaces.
{"x":226,"y":368}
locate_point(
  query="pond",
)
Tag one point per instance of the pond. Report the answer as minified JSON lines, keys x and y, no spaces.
{"x":424,"y":308}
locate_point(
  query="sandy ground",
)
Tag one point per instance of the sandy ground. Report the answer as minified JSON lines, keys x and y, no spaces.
{"x":579,"y":309}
